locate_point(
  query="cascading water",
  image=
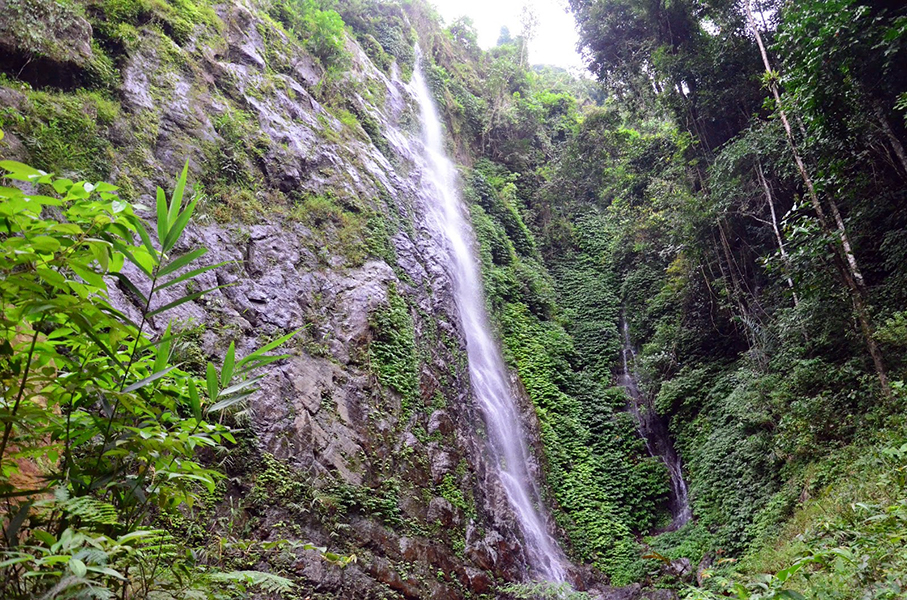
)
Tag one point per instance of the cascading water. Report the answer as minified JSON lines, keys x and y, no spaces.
{"x":487,"y":372}
{"x":654,"y":432}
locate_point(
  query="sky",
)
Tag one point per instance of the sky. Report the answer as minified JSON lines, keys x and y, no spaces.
{"x":555,"y":42}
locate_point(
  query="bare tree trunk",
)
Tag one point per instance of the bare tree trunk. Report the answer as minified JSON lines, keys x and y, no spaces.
{"x":747,"y":317}
{"x":851,"y":273}
{"x":889,"y":133}
{"x":845,"y":244}
{"x":784,"y":257}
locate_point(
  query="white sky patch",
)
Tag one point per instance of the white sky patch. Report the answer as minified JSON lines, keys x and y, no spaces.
{"x":556,"y":38}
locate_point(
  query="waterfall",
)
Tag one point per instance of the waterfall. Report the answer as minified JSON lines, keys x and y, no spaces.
{"x":654,"y":432}
{"x":487,"y":371}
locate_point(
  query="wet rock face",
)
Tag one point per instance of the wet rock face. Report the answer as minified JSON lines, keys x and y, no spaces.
{"x":319,"y":230}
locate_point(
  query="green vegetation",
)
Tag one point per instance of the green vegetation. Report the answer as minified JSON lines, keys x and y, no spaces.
{"x":66,"y":133}
{"x":101,"y":431}
{"x":392,"y":353}
{"x":315,"y":27}
{"x":732,"y":185}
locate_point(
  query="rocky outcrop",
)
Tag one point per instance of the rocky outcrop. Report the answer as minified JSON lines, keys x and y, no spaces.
{"x":45,"y":43}
{"x":320,"y":221}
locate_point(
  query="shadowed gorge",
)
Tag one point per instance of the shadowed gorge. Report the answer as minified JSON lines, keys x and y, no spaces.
{"x":321,"y":299}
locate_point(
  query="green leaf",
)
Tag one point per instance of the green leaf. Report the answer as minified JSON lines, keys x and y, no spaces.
{"x":191,"y":275}
{"x":163,"y":226}
{"x":129,"y":256}
{"x":107,"y":571}
{"x":127,"y":283}
{"x":21,"y":558}
{"x":146,"y":239}
{"x":227,"y":402}
{"x":163,"y":351}
{"x":77,"y":567}
{"x":792,"y":595}
{"x":268,"y":347}
{"x":176,"y":202}
{"x":226,"y":372}
{"x":240,"y":386}
{"x":12,"y":530}
{"x":178,"y":263}
{"x":182,"y":300}
{"x":194,"y":401}
{"x":61,"y":186}
{"x":45,"y":537}
{"x":211,"y":377}
{"x":149,"y":379}
{"x":177,"y":228}
{"x":20,"y":171}
{"x":87,"y":274}
{"x":45,"y":244}
{"x":44,"y":200}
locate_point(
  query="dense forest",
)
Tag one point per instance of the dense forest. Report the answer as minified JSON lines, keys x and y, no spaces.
{"x":233,"y":365}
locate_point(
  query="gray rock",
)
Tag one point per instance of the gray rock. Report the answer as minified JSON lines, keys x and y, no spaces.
{"x":442,"y":511}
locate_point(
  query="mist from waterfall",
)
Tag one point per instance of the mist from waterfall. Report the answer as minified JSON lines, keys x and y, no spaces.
{"x":487,"y":370}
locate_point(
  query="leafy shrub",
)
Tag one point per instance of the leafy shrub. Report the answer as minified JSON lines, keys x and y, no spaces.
{"x":393,"y":350}
{"x":100,"y":429}
{"x":320,"y":31}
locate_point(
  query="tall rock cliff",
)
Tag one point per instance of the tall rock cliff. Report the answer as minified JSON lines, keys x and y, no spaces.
{"x":367,"y":439}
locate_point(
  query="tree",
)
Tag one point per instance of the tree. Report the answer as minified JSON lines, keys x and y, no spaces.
{"x":529,"y":22}
{"x":504,"y":37}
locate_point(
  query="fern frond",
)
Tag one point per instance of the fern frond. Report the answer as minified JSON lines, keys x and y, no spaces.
{"x":90,"y":511}
{"x":268,"y":582}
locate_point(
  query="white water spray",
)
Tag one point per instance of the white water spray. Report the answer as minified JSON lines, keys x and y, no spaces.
{"x":487,"y":371}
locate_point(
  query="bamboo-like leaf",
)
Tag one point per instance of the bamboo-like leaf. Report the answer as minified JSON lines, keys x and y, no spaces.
{"x":191,"y":275}
{"x":176,"y":202}
{"x":259,"y":362}
{"x":149,"y":379}
{"x":146,"y":239}
{"x":180,"y":262}
{"x":227,"y":402}
{"x":226,"y":372}
{"x":194,"y":401}
{"x":163,"y":226}
{"x":240,"y":386}
{"x":211,"y":380}
{"x":163,"y":351}
{"x":21,"y":558}
{"x":12,"y":530}
{"x":268,"y":347}
{"x":127,"y":283}
{"x":107,"y":571}
{"x":182,"y":300}
{"x":87,"y":329}
{"x":177,"y":228}
{"x":125,"y":252}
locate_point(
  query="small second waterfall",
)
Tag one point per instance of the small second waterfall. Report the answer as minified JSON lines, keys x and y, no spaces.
{"x":654,"y":432}
{"x":487,"y":371}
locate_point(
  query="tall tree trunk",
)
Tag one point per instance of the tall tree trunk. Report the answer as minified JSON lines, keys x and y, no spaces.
{"x":748,"y":317}
{"x":889,"y":133}
{"x":784,"y":257}
{"x":853,"y":278}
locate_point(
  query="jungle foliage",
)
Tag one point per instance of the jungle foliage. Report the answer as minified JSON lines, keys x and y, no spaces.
{"x":749,"y":180}
{"x":103,"y":433}
{"x":733,"y":185}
